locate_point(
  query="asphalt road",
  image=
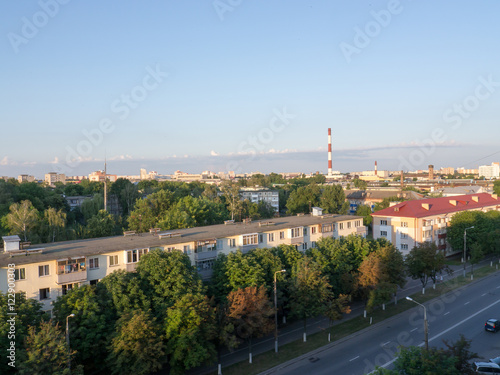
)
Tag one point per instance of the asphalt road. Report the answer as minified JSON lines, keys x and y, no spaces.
{"x":462,"y":311}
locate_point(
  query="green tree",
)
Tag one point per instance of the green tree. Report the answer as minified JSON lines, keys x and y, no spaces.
{"x":55,"y":220}
{"x":126,"y":192}
{"x":424,"y":261}
{"x":91,"y":326}
{"x":479,"y":234}
{"x":29,"y":313}
{"x":309,"y":291}
{"x":302,"y":199}
{"x":91,"y":206}
{"x":166,"y":277}
{"x":231,"y":193}
{"x":335,"y":310}
{"x":190,"y":330}
{"x":22,"y":218}
{"x":47,"y":352}
{"x":136,"y":346}
{"x":360,"y":184}
{"x":333,"y":200}
{"x":148,"y":212}
{"x":476,"y":255}
{"x":365,"y":212}
{"x":250,"y":311}
{"x":244,"y":270}
{"x":101,"y":225}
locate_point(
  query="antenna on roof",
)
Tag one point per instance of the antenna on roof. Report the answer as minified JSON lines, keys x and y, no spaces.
{"x":105,"y":184}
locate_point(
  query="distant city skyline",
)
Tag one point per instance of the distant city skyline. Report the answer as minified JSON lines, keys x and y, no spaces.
{"x":247,"y":86}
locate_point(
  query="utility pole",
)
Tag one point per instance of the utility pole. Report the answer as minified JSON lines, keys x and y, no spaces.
{"x":105,"y":186}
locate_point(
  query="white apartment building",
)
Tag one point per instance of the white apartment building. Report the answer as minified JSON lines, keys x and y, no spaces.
{"x":52,"y":177}
{"x":256,"y":195}
{"x":50,"y":270}
{"x":25,"y":178}
{"x":490,"y":171}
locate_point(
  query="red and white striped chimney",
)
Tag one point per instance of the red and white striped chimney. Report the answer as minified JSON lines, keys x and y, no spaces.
{"x":329,"y":151}
{"x":375,"y":168}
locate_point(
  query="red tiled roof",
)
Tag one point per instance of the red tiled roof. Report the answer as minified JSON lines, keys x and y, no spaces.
{"x":439,"y":206}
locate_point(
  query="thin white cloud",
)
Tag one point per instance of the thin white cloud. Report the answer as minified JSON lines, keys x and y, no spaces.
{"x":213,"y":153}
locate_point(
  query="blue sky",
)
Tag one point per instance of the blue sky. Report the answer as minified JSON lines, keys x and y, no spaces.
{"x":247,"y":85}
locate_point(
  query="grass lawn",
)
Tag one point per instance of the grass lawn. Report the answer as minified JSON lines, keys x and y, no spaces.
{"x":297,"y":348}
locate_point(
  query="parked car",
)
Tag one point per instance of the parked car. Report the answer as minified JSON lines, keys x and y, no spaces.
{"x":495,"y":360}
{"x":486,"y":368}
{"x":492,"y":325}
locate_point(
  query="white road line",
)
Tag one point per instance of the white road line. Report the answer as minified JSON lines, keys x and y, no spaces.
{"x":466,"y":303}
{"x":498,"y":287}
{"x":385,"y":343}
{"x":414,"y":329}
{"x":354,"y":359}
{"x":447,"y":313}
{"x":482,"y":295}
{"x":447,"y":330}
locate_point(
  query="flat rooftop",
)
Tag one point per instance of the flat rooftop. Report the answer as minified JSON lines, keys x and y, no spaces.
{"x":95,"y":246}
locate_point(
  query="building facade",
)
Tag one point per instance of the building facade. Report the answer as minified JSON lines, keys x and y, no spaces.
{"x":52,"y":177}
{"x":490,"y":171}
{"x":409,"y":223}
{"x":49,"y":271}
{"x":256,"y":195}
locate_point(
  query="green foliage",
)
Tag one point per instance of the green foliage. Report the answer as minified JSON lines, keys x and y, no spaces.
{"x":302,"y":199}
{"x":483,"y":225}
{"x":424,"y":261}
{"x":46,"y":352}
{"x":190,"y":327}
{"x":231,"y":193}
{"x":148,"y":212}
{"x":333,"y":200}
{"x":91,"y":206}
{"x":365,"y":212}
{"x":360,"y":184}
{"x":101,"y":225}
{"x":22,"y":218}
{"x":244,"y":270}
{"x":126,"y":192}
{"x":136,"y":346}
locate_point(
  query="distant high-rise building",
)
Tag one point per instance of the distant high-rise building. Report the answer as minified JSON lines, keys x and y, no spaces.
{"x":25,"y":178}
{"x":489,"y":171}
{"x":52,"y":177}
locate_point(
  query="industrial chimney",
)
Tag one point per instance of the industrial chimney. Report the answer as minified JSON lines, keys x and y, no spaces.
{"x":376,"y":168}
{"x":329,"y":151}
{"x":431,"y":172}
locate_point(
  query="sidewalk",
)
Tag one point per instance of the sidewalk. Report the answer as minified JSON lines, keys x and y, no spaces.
{"x":293,"y":331}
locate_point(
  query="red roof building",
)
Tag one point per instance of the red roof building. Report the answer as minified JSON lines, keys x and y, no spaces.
{"x":411,"y":222}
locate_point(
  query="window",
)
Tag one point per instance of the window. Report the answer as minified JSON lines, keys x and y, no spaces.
{"x":232,"y":242}
{"x":305,"y":231}
{"x":327,"y":228}
{"x":404,"y":224}
{"x":187,"y":249}
{"x":43,"y":270}
{"x":348,"y":225}
{"x":341,"y":226}
{"x":93,"y":282}
{"x":71,"y":265}
{"x":304,"y":246}
{"x":383,"y":233}
{"x":250,"y":239}
{"x":93,"y":263}
{"x":219,"y":245}
{"x":67,"y":287}
{"x":133,"y":256}
{"x":261,"y":238}
{"x":20,"y":274}
{"x":113,"y":260}
{"x":295,"y":232}
{"x":404,"y":235}
{"x":44,"y":293}
{"x":313,"y":244}
{"x":271,"y":237}
{"x":404,"y":246}
{"x":313,"y":230}
{"x":383,"y":222}
{"x":282,"y":235}
{"x":170,"y":248}
{"x":357,"y":223}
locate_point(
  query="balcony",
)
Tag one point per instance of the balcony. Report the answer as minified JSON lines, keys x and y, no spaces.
{"x":205,"y":255}
{"x":72,"y":277}
{"x":441,"y":235}
{"x":361,"y":231}
{"x":131,"y":267}
{"x":441,"y":225}
{"x":427,"y":228}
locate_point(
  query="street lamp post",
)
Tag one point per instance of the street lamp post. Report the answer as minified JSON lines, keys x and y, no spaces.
{"x":67,"y":340}
{"x":426,"y":327}
{"x":276,"y":313}
{"x":465,"y":246}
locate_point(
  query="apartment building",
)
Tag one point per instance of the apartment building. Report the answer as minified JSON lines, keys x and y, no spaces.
{"x":25,"y":178}
{"x":256,"y":195}
{"x":50,"y":270}
{"x":52,"y":177}
{"x":489,"y":171}
{"x":100,"y":176}
{"x":411,"y":222}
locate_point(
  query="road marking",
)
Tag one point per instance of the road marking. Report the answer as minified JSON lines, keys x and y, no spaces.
{"x":414,"y":329}
{"x":447,"y":330}
{"x":447,"y":313}
{"x":482,"y":295}
{"x":498,"y":287}
{"x":385,"y":343}
{"x":354,"y":359}
{"x":466,"y":303}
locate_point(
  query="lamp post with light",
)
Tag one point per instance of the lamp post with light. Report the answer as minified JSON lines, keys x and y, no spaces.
{"x":426,"y":328}
{"x":67,"y":339}
{"x":276,"y":313}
